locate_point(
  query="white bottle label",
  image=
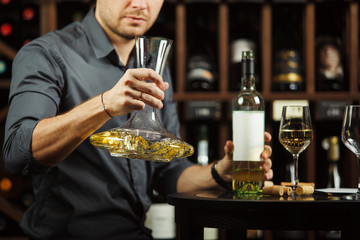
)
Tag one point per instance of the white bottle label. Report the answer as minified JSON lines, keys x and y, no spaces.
{"x":248,"y":135}
{"x":211,"y":234}
{"x":161,"y":220}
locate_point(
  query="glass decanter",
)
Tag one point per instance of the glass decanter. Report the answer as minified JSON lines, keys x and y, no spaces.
{"x":143,"y":136}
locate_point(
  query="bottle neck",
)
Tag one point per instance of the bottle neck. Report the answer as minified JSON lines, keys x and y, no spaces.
{"x":248,"y":82}
{"x":247,"y":74}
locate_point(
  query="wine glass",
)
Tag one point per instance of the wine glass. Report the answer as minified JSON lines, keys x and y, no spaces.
{"x":295,"y":133}
{"x":350,"y":133}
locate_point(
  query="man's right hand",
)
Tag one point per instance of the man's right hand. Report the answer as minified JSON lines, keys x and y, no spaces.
{"x":136,"y":88}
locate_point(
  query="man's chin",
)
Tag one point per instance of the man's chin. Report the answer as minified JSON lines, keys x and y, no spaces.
{"x":132,"y":35}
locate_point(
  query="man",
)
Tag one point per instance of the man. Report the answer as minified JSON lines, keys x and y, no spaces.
{"x":65,"y":86}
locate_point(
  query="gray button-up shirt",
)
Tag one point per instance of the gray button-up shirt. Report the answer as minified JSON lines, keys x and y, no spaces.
{"x":90,"y":195}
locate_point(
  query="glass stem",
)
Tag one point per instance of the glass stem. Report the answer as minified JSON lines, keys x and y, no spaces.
{"x":296,"y":164}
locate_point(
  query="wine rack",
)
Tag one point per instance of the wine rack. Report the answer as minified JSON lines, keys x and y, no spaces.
{"x":232,"y":19}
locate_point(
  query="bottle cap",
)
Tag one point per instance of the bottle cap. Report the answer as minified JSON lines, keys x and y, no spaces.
{"x":247,"y":64}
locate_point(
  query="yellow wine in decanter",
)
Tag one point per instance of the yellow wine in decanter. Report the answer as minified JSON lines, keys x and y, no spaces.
{"x":124,"y":143}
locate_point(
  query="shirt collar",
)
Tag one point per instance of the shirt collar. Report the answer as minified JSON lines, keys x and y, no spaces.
{"x":100,"y":42}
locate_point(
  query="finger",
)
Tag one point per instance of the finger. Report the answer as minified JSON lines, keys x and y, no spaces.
{"x":229,"y":148}
{"x":131,"y":92}
{"x":145,"y":87}
{"x":267,"y":152}
{"x":137,"y":99}
{"x":269,"y":174}
{"x":267,"y":165}
{"x":147,"y":74}
{"x":150,"y":100}
{"x":267,"y":137}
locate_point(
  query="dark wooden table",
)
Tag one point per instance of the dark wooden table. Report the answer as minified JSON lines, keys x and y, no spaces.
{"x":194,"y":211}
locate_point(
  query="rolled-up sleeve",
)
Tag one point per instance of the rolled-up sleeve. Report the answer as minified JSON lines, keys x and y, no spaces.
{"x":35,"y":94}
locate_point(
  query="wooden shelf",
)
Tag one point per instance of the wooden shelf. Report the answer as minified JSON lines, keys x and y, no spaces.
{"x":319,"y":96}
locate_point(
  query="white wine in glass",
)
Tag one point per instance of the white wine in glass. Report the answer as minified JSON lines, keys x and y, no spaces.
{"x":295,"y":133}
{"x":350,"y":134}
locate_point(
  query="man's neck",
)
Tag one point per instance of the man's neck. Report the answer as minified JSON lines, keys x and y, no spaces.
{"x":123,"y":48}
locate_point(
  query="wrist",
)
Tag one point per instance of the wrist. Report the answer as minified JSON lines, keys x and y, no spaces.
{"x":106,"y":110}
{"x":217,"y":176}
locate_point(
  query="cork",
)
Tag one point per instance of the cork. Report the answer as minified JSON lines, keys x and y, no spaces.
{"x":288,"y":190}
{"x":268,"y":183}
{"x":299,"y":184}
{"x":304,"y":190}
{"x":275,"y":190}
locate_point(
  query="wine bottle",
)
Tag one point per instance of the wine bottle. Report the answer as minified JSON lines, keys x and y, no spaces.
{"x":287,"y":45}
{"x":330,"y":72}
{"x":331,"y":144}
{"x":248,"y":122}
{"x":287,"y":71}
{"x":201,"y":61}
{"x":203,"y":146}
{"x":200,"y":76}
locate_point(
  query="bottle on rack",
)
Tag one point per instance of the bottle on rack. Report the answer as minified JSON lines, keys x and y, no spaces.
{"x":201,"y":66}
{"x":200,"y":76}
{"x":287,"y":45}
{"x":203,"y":146}
{"x":237,"y":47}
{"x":248,"y":122}
{"x":287,"y":71}
{"x":330,"y":72}
{"x":331,"y":145}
